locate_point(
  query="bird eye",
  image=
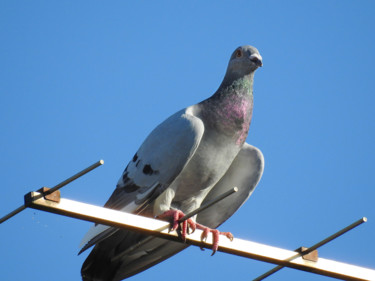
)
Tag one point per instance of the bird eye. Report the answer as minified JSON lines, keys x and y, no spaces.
{"x":238,"y":53}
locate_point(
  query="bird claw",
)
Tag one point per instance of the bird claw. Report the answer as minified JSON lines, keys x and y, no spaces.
{"x":188,"y":227}
{"x":228,"y":235}
{"x":183,"y":228}
{"x":215,"y":236}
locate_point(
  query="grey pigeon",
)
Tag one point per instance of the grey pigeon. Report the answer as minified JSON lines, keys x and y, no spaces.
{"x":192,"y":157}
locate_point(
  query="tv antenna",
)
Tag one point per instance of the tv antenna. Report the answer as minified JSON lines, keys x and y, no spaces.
{"x":306,"y":259}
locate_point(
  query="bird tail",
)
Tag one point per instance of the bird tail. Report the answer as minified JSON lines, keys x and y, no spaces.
{"x":126,"y":253}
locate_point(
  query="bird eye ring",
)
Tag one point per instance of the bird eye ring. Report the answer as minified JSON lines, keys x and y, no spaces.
{"x":238,"y":53}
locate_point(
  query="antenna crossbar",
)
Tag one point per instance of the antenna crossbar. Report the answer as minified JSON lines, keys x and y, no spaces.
{"x":238,"y":247}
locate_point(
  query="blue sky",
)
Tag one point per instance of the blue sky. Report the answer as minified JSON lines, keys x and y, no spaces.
{"x":88,"y":80}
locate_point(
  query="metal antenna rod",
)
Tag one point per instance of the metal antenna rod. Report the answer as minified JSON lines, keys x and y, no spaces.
{"x":314,"y":247}
{"x":53,"y":189}
{"x":209,"y":204}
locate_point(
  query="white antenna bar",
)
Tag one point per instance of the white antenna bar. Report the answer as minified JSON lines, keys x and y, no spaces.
{"x":159,"y":228}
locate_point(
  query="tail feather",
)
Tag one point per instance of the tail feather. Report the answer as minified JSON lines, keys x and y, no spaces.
{"x":116,"y":257}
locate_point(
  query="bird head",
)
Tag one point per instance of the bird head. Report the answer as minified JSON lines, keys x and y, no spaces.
{"x":244,"y":60}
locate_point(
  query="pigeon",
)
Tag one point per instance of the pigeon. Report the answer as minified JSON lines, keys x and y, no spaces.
{"x":192,"y":157}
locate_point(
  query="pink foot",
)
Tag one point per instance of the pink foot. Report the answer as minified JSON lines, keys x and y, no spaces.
{"x":215,"y":236}
{"x":174,"y":216}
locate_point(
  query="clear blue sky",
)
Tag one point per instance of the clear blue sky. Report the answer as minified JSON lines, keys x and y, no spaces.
{"x":87,"y":80}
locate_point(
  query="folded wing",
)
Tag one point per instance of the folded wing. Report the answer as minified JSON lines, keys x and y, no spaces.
{"x":156,"y":164}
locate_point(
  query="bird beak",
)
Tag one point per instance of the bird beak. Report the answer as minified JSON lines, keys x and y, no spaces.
{"x":257,"y":59}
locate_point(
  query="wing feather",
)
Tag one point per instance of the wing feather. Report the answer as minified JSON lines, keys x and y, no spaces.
{"x":244,"y":173}
{"x":158,"y":161}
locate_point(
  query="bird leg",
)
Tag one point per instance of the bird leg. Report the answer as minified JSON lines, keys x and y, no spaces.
{"x":215,"y":236}
{"x":187,"y":227}
{"x":175,"y":215}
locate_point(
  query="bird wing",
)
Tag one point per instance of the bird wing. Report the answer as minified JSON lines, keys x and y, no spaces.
{"x":133,"y":252}
{"x":159,"y":160}
{"x":244,"y":173}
